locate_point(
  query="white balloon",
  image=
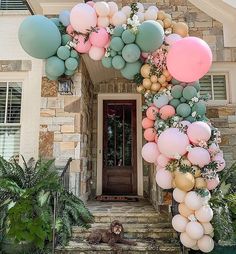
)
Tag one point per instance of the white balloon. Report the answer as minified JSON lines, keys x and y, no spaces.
{"x":187,"y":241}
{"x":127,"y":10}
{"x":208,"y":228}
{"x":113,"y":8}
{"x":204,"y":214}
{"x":150,"y":14}
{"x":195,"y":247}
{"x":179,"y":195}
{"x":179,"y":223}
{"x":195,"y":229}
{"x":140,"y":16}
{"x":206,"y":244}
{"x":103,"y":22}
{"x":140,"y":7}
{"x":153,"y":7}
{"x":193,"y":201}
{"x":102,"y":8}
{"x":119,"y":18}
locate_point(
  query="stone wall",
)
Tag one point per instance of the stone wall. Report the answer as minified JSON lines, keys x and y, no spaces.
{"x":65,"y":129}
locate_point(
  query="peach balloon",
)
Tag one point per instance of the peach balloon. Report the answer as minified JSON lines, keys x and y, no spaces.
{"x":204,"y":214}
{"x":113,"y":8}
{"x":162,"y":160}
{"x":102,"y":8}
{"x":150,"y":152}
{"x":195,"y":247}
{"x":208,"y":228}
{"x":152,"y":112}
{"x":119,"y":18}
{"x":195,"y":229}
{"x":147,"y":123}
{"x":206,"y":244}
{"x":126,"y":10}
{"x":187,"y":241}
{"x":193,"y":201}
{"x":167,"y":111}
{"x":184,"y":210}
{"x":179,"y":223}
{"x":103,"y":22}
{"x":213,"y":183}
{"x":149,"y":134}
{"x":96,"y":53}
{"x":179,"y":195}
{"x":199,"y":156}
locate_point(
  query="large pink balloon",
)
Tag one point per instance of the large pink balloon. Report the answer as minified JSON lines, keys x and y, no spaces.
{"x":96,"y":53}
{"x":82,"y":45}
{"x":199,"y":131}
{"x":150,"y":152}
{"x":83,"y":17}
{"x":164,"y":178}
{"x":99,"y":38}
{"x":189,"y":59}
{"x":172,"y":142}
{"x":199,"y":156}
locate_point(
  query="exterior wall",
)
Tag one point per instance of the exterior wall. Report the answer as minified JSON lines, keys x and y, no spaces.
{"x":16,"y":65}
{"x":66,"y":128}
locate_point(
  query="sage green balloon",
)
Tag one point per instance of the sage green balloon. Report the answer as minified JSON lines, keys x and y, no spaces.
{"x":197,"y":85}
{"x":56,"y":21}
{"x":190,"y":119}
{"x":183,"y":110}
{"x":65,"y":38}
{"x":107,"y":62}
{"x":117,"y":44}
{"x":120,"y":53}
{"x":174,"y":102}
{"x":39,"y":36}
{"x":51,"y":77}
{"x":74,"y":54}
{"x":117,"y":32}
{"x":174,"y":81}
{"x":189,"y":92}
{"x":131,"y":69}
{"x":69,"y":72}
{"x":118,"y":62}
{"x":113,"y":53}
{"x":176,"y":91}
{"x":54,"y":66}
{"x":63,"y":52}
{"x":150,"y":36}
{"x":182,"y":99}
{"x":128,"y":37}
{"x":71,"y":64}
{"x":131,"y":53}
{"x":200,"y":108}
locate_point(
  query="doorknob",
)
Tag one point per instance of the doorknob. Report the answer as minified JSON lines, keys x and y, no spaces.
{"x":100,"y":151}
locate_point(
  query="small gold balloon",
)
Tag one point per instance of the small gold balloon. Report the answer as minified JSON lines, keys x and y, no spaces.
{"x":140,"y":89}
{"x":154,"y":78}
{"x":162,"y":79}
{"x":145,"y":70}
{"x":167,"y":22}
{"x":162,"y":89}
{"x":166,"y":73}
{"x":173,"y":23}
{"x":184,"y":181}
{"x":184,"y":210}
{"x":181,"y":28}
{"x":155,"y":87}
{"x":196,"y":170}
{"x":200,"y":183}
{"x":160,"y":22}
{"x":169,"y":78}
{"x":168,"y":16}
{"x":147,"y":83}
{"x":161,"y":15}
{"x":165,"y":84}
{"x":173,"y":183}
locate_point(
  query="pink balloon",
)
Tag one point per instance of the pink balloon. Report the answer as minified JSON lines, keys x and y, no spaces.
{"x":164,"y":178}
{"x":149,"y":134}
{"x":108,"y":44}
{"x":96,"y":53}
{"x":70,"y":30}
{"x":189,"y":59}
{"x":199,"y":156}
{"x":145,"y":55}
{"x":99,"y":38}
{"x":151,"y":112}
{"x":214,"y":148}
{"x":172,"y":142}
{"x":199,"y":131}
{"x":212,"y":184}
{"x":150,"y":152}
{"x":147,"y":123}
{"x":82,"y":46}
{"x":91,"y":3}
{"x":220,"y":162}
{"x":172,"y":38}
{"x":162,"y":160}
{"x":83,"y":17}
{"x":179,"y":223}
{"x":167,"y":111}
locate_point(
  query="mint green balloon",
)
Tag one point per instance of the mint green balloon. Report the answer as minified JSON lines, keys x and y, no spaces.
{"x":65,"y":38}
{"x":190,"y":119}
{"x":200,"y":108}
{"x":39,"y":36}
{"x":118,"y":62}
{"x":182,"y":99}
{"x":54,"y":66}
{"x":63,"y":52}
{"x":69,"y":72}
{"x":56,"y":21}
{"x":189,"y":92}
{"x":71,"y":64}
{"x":117,"y":44}
{"x":51,"y":77}
{"x":107,"y":62}
{"x":128,"y":37}
{"x":117,"y":32}
{"x":113,"y":52}
{"x":176,"y":91}
{"x":74,"y":54}
{"x":131,"y":53}
{"x":197,"y":85}
{"x":183,"y":110}
{"x":120,"y":53}
{"x":150,"y":36}
{"x":174,"y":81}
{"x":131,"y":69}
{"x":174,"y":102}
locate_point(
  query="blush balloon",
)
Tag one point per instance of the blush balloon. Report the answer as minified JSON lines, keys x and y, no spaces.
{"x":179,"y":195}
{"x":164,"y":178}
{"x":199,"y":156}
{"x":99,"y":38}
{"x":82,"y":45}
{"x":150,"y":152}
{"x":96,"y":53}
{"x":199,"y":131}
{"x":187,"y":241}
{"x":162,"y":160}
{"x":213,"y":183}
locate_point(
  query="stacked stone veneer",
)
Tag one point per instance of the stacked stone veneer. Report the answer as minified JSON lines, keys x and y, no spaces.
{"x":66,"y":127}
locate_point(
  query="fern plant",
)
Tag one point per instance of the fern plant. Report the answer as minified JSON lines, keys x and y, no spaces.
{"x":27,"y":202}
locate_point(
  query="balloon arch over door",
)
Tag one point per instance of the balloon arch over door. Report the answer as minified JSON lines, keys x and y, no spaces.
{"x":147,"y":46}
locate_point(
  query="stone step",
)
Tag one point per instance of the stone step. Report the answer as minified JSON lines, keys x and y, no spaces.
{"x":155,"y":231}
{"x":143,"y":246}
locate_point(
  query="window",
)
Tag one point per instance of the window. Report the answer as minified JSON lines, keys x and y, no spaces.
{"x":10,"y":112}
{"x":13,"y":5}
{"x":215,"y":85}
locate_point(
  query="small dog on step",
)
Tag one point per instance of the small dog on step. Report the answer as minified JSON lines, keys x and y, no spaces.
{"x":110,"y":236}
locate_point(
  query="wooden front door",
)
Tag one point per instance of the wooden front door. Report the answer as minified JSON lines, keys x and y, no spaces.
{"x":119,"y":147}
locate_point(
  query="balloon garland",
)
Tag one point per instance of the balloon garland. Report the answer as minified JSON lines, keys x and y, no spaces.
{"x":147,"y":46}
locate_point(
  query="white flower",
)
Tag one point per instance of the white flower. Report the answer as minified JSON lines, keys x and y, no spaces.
{"x":72,"y":44}
{"x":124,"y":26}
{"x":175,"y":124}
{"x":135,"y":17}
{"x":194,"y":113}
{"x":177,"y":156}
{"x":195,"y":99}
{"x":176,"y":118}
{"x":192,"y":217}
{"x":190,"y":103}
